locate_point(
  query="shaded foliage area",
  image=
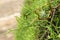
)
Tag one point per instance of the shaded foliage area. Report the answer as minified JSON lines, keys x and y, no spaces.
{"x":39,"y":20}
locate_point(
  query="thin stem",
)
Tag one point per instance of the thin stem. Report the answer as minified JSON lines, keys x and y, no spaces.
{"x":53,"y":13}
{"x":43,"y":35}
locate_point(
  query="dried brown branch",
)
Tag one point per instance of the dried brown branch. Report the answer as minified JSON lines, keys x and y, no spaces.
{"x":44,"y":35}
{"x":57,"y":6}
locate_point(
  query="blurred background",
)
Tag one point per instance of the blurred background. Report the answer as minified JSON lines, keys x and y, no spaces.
{"x":8,"y":10}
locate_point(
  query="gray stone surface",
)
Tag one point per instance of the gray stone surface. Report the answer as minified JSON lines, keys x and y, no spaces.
{"x":8,"y":7}
{"x":8,"y":10}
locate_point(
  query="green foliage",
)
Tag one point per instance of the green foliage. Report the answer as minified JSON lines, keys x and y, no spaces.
{"x":39,"y":20}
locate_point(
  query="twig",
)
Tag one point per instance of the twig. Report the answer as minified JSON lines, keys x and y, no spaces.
{"x":57,"y":6}
{"x":53,"y":13}
{"x":53,"y":10}
{"x":43,"y":35}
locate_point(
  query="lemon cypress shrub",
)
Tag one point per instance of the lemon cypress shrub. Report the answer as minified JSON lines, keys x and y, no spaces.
{"x":39,"y":20}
